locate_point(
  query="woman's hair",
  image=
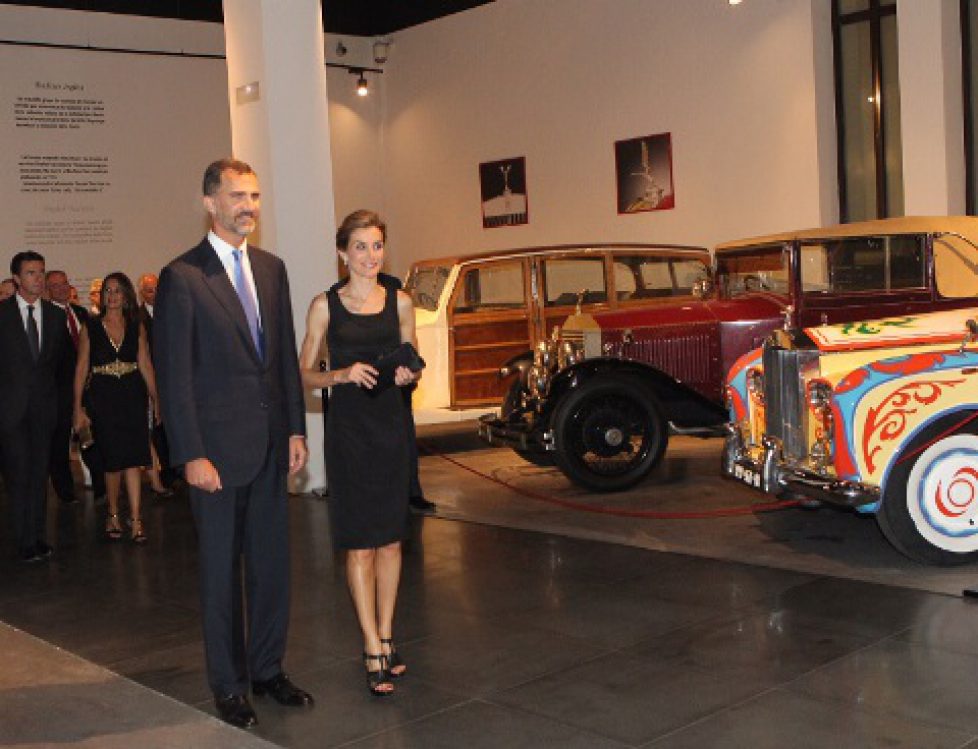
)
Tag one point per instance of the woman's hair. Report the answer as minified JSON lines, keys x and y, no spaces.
{"x":130,"y":308}
{"x":361,"y":219}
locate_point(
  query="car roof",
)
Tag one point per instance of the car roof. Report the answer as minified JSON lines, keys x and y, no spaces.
{"x":966,"y":226}
{"x":559,"y":249}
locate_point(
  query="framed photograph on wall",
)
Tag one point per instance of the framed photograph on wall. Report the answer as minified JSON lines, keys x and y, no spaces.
{"x":503,"y":185}
{"x":643,"y":168}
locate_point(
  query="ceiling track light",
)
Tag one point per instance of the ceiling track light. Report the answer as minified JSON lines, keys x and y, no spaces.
{"x":363,"y":86}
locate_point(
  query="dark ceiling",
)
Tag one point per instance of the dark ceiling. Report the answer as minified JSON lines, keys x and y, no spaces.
{"x":357,"y":17}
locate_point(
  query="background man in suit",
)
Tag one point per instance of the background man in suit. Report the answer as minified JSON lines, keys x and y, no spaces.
{"x":8,"y":287}
{"x":33,"y":356}
{"x":160,"y":479}
{"x":58,"y":291}
{"x":232,"y":400}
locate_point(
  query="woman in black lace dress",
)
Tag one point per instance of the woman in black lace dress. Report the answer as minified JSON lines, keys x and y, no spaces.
{"x":367,"y":445}
{"x":113,"y":380}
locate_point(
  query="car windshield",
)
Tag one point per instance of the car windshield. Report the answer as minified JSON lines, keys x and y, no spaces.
{"x":425,"y":284}
{"x":758,"y":269}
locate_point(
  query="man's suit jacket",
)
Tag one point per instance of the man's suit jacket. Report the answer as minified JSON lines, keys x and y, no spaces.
{"x":147,"y":321}
{"x":26,"y":384}
{"x":66,"y":382}
{"x":220,"y":400}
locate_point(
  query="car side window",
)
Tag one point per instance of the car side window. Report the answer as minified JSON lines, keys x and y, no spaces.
{"x":955,"y":267}
{"x":863,"y":264}
{"x":649,"y":277}
{"x":493,"y":286}
{"x":565,"y":278}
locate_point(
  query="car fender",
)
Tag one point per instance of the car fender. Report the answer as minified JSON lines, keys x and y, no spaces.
{"x":879,"y":408}
{"x":679,"y":403}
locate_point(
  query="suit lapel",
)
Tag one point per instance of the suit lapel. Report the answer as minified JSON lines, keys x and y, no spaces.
{"x":13,"y":319}
{"x":216,"y":279}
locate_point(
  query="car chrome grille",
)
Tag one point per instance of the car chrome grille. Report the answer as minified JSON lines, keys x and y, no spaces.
{"x":786,"y":410}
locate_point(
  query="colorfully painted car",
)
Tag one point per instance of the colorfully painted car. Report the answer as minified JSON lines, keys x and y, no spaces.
{"x":880,"y":415}
{"x":474,"y":313}
{"x":602,"y":401}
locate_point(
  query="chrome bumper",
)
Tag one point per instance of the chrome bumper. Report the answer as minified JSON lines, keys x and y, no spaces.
{"x":773,"y":475}
{"x":517,"y":435}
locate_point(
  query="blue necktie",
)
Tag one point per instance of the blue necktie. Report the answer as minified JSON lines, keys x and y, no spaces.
{"x":249,"y":305}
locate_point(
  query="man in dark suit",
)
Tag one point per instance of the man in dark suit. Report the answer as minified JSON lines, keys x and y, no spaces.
{"x":33,"y":356}
{"x":162,"y":479}
{"x":58,"y":291}
{"x":232,"y":399}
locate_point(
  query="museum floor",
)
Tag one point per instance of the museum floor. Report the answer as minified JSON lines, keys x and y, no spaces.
{"x":527,"y":619}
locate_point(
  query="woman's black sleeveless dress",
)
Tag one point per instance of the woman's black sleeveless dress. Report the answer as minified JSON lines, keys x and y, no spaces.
{"x":366,"y":434}
{"x":117,"y":406}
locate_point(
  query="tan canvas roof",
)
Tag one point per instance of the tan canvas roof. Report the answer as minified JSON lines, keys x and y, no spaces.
{"x":967,"y":226}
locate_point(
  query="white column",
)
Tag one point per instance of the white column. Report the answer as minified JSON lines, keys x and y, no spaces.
{"x":931,"y":106}
{"x":282,"y":129}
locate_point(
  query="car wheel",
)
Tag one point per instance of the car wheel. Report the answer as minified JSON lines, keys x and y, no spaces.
{"x":609,"y":434}
{"x":930,"y":502}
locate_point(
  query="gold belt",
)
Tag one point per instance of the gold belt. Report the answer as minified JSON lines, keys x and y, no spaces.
{"x":116,"y":368}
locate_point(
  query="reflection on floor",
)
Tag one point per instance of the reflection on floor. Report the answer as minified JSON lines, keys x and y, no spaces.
{"x":513,"y":638}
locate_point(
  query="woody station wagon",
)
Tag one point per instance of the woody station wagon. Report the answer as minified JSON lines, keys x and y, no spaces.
{"x":476,"y":313}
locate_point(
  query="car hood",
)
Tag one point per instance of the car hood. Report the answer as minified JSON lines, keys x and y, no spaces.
{"x":931,"y":328}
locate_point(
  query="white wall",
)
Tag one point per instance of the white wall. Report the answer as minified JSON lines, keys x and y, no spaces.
{"x":560,"y":82}
{"x":173,"y":121}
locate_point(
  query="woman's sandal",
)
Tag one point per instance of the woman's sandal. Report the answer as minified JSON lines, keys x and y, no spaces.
{"x":394,"y":661}
{"x":378,"y":682}
{"x":138,"y":535}
{"x":113,"y":530}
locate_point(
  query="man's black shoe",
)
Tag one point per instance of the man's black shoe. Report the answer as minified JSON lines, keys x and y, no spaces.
{"x":42,"y":550}
{"x":282,"y":690}
{"x":421,"y":505}
{"x":69,"y":499}
{"x":29,"y":555}
{"x":236,"y":710}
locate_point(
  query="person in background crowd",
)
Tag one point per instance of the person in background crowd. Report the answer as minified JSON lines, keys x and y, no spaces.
{"x":73,"y":295}
{"x":235,"y":416}
{"x":7,"y":288}
{"x":34,"y":343}
{"x":160,"y":475}
{"x":113,"y":360}
{"x":57,"y":288}
{"x":94,"y":296}
{"x":361,"y":321}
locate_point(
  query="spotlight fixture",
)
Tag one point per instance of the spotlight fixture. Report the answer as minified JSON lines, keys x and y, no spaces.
{"x":362,"y":89}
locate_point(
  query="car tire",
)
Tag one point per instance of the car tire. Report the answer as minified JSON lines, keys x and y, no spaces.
{"x":930,"y":501}
{"x":609,"y":433}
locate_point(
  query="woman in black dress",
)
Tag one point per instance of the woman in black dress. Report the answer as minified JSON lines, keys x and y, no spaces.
{"x":367,"y":447}
{"x":113,"y":379}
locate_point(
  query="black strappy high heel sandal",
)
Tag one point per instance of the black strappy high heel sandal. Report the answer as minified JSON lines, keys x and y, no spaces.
{"x":379,"y":682}
{"x":113,"y":529}
{"x":394,"y":661}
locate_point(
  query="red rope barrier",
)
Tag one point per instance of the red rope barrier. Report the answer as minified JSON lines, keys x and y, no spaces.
{"x":652,"y":514}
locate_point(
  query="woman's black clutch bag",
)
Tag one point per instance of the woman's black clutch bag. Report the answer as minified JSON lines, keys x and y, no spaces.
{"x":405,"y":355}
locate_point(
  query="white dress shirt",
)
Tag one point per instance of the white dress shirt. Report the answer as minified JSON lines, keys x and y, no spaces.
{"x":224,"y":253}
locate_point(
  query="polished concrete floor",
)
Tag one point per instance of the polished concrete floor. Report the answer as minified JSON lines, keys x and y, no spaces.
{"x":513,"y":637}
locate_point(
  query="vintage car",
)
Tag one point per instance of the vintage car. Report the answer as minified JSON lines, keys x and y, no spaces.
{"x":602,"y":401}
{"x":474,"y":313}
{"x":881,"y":416}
